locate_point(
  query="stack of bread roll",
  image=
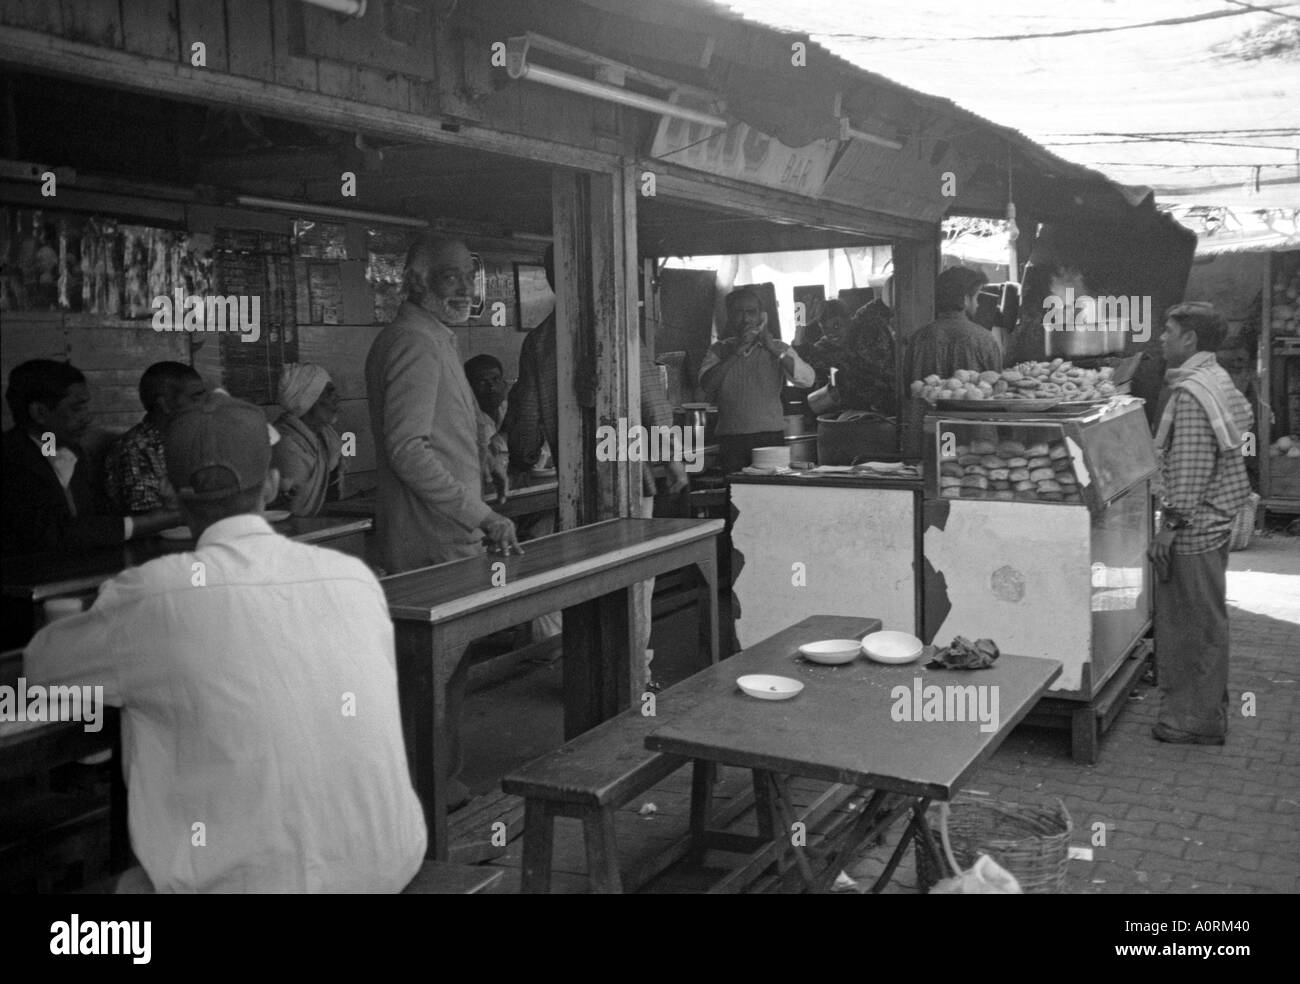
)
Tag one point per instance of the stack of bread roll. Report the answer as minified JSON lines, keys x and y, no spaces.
{"x":1041,"y":471}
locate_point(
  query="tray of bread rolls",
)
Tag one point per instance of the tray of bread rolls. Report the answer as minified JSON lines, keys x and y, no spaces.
{"x":1009,"y":470}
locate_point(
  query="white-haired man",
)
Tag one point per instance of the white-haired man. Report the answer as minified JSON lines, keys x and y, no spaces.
{"x":431,"y":451}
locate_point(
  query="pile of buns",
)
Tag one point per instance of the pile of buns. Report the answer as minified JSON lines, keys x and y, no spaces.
{"x":1038,"y":472}
{"x":1055,"y":380}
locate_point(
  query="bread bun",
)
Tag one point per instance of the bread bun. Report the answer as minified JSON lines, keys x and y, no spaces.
{"x":975,"y":470}
{"x":1066,"y":478}
{"x":950,"y":481}
{"x":969,"y":459}
{"x":1019,"y":474}
{"x":1049,"y":486}
{"x":1034,"y":450}
{"x":993,"y":461}
{"x":975,"y":482}
{"x":1011,"y":448}
{"x":999,"y":474}
{"x":951,"y":468}
{"x":1058,"y":450}
{"x":1018,"y":462}
{"x":1042,"y":475}
{"x":1051,"y":496}
{"x":951,"y":492}
{"x":1025,"y":486}
{"x":1039,"y":461}
{"x":982,"y":447}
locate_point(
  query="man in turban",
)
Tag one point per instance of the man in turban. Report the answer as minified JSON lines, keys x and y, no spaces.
{"x":309,"y":455}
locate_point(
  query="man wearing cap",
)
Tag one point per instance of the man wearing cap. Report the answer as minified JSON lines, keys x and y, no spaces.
{"x":258,"y":687}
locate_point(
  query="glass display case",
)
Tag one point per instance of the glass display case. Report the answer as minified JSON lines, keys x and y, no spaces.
{"x":1089,"y":457}
{"x":1036,"y":528}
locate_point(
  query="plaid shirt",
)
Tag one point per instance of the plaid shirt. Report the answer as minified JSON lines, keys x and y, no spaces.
{"x":533,"y":414}
{"x":1204,"y":485}
{"x":136,"y":471}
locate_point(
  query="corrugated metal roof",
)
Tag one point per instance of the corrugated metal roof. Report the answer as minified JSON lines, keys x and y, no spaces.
{"x":795,"y":125}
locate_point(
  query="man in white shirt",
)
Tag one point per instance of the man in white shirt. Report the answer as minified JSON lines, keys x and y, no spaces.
{"x":258,"y":686}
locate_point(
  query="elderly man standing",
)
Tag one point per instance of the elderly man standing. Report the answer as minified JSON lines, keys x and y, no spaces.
{"x":431,"y":451}
{"x":1204,"y":483}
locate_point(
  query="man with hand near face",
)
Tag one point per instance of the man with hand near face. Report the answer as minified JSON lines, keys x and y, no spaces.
{"x":743,"y":373}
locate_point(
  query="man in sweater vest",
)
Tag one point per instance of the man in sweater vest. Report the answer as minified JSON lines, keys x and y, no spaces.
{"x":742,"y":374}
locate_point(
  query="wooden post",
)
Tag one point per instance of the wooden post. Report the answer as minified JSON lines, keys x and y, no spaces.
{"x":572,"y":291}
{"x":916,"y":267}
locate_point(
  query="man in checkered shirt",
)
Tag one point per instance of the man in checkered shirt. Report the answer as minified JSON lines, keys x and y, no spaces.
{"x":1204,"y":484}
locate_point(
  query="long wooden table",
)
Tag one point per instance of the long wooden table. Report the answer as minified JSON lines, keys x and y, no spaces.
{"x":844,"y":728}
{"x":589,"y":573}
{"x":36,"y":577}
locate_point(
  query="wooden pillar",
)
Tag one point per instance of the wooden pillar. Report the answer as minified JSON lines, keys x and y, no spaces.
{"x":916,"y":268}
{"x":597,"y":339}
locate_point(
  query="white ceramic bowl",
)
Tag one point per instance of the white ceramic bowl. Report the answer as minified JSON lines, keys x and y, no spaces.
{"x":832,"y":652}
{"x":766,"y":687}
{"x":892,"y":647}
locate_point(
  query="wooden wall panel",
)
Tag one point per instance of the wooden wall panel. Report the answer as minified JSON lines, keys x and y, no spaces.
{"x":92,"y":21}
{"x":342,"y":350}
{"x":149,"y":28}
{"x":290,"y":67}
{"x":249,"y":49}
{"x":204,"y":20}
{"x":35,"y":15}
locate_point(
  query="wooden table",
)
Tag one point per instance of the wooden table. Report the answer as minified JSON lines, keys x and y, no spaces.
{"x":36,"y":577}
{"x":589,"y":573}
{"x":841,"y":728}
{"x":524,"y":501}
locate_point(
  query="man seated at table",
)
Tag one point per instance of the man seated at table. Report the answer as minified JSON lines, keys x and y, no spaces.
{"x":487,"y":378}
{"x":309,"y":456}
{"x":135,"y":473}
{"x":258,"y":685}
{"x":50,"y":501}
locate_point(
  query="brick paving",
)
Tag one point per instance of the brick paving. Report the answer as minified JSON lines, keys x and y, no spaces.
{"x":1186,"y":818}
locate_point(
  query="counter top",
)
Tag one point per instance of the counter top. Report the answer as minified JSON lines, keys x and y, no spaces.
{"x":36,"y":577}
{"x":832,"y":481}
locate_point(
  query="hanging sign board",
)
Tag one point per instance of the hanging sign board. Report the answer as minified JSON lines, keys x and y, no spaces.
{"x":746,"y":154}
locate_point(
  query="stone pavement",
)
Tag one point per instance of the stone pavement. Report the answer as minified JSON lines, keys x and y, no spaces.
{"x":1185,"y":818}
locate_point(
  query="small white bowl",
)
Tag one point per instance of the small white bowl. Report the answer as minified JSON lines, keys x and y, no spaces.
{"x":892,"y":647}
{"x":832,"y":652}
{"x":766,"y":687}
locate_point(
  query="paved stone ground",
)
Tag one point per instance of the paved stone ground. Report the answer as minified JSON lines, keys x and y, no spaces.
{"x":1184,"y":818}
{"x":1177,"y":819}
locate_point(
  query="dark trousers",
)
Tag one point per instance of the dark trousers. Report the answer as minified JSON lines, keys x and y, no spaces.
{"x":1191,"y":625}
{"x":736,"y":450}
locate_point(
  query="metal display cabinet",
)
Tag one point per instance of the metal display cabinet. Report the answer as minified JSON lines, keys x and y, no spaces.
{"x":1041,"y":546}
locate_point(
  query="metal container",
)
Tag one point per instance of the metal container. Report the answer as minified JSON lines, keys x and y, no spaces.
{"x":1081,"y":344}
{"x":841,"y":442}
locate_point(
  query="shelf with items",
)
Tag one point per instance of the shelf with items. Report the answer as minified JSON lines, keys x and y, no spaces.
{"x":1278,"y":412}
{"x":1087,"y":457}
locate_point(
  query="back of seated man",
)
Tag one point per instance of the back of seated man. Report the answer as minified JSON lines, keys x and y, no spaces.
{"x":135,"y":469}
{"x":258,"y":687}
{"x":50,"y":501}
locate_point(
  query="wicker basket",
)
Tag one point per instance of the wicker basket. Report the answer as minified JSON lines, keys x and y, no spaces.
{"x":1031,"y":842}
{"x":1243,"y":525}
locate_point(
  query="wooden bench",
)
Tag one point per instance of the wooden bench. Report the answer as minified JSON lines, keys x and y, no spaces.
{"x":592,"y":776}
{"x":445,"y":878}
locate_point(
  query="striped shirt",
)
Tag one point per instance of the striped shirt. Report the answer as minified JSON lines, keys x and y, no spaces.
{"x":1204,"y":485}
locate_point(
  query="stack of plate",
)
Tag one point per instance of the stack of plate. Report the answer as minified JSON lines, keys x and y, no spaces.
{"x":892,"y":647}
{"x":771,"y":457}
